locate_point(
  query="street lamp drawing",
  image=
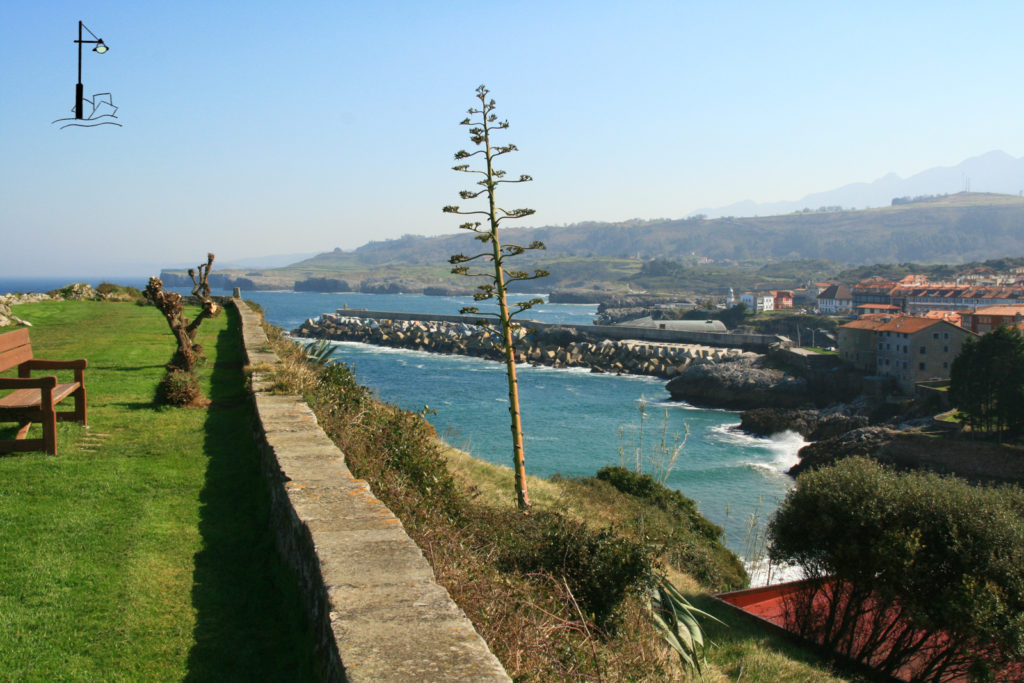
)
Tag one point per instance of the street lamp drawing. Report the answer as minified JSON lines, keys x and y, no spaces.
{"x":100,"y":48}
{"x":102,"y":104}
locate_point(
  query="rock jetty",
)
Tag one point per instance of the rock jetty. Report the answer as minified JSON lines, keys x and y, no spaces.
{"x":560,"y":348}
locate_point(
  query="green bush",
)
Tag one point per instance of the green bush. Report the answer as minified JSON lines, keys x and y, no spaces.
{"x":644,"y":486}
{"x":600,"y":567}
{"x":178,"y":388}
{"x":671,"y":523}
{"x":943,"y":556}
{"x":112,"y":292}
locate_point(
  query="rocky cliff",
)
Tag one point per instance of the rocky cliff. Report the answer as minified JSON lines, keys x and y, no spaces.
{"x":739,"y":385}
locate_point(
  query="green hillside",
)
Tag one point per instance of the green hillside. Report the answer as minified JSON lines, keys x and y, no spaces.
{"x":723,"y":252}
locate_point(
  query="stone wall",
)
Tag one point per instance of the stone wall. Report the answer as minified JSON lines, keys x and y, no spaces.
{"x":549,"y":346}
{"x":375,"y":609}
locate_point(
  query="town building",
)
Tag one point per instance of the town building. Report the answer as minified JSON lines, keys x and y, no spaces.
{"x":988,"y":318}
{"x":877,"y":309}
{"x":783,"y":299}
{"x":872,"y":291}
{"x":835,"y":300}
{"x":907,"y":349}
{"x":857,"y":345}
{"x":758,"y":302}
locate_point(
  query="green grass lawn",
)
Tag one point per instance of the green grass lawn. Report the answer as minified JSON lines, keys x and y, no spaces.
{"x":142,"y":551}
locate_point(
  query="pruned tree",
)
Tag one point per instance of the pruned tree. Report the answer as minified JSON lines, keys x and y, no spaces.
{"x":179,"y":386}
{"x":482,"y":123}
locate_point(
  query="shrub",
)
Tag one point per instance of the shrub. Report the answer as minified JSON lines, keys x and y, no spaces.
{"x":178,"y":388}
{"x":669,"y":521}
{"x":111,"y":292}
{"x":600,"y":567}
{"x":644,"y":487}
{"x":936,"y":555}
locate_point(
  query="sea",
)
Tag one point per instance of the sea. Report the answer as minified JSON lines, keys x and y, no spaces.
{"x":575,"y":422}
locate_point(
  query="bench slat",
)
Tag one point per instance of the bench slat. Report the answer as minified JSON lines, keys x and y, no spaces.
{"x":14,"y":357}
{"x":9,"y":340}
{"x":30,"y":398}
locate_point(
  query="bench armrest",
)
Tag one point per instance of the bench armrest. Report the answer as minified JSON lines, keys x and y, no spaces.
{"x":39,"y":364}
{"x":48,"y":382}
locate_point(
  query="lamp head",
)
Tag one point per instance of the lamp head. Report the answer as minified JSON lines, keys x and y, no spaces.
{"x":101,"y":47}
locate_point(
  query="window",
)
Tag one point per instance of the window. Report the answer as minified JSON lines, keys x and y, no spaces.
{"x":935,"y":335}
{"x":924,"y":349}
{"x":880,"y":346}
{"x":945,"y":365}
{"x":946,"y":348}
{"x":921,"y":366}
{"x":945,"y":335}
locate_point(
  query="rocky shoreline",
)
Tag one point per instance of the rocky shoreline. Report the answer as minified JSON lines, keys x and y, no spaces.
{"x":909,"y":449}
{"x":560,"y":347}
{"x":741,"y":385}
{"x":813,"y":425}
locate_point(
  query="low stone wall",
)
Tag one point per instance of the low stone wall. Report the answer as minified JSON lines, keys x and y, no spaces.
{"x":632,"y":357}
{"x":376,"y":611}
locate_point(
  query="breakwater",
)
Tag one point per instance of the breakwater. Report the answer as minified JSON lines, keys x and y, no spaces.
{"x":539,"y":344}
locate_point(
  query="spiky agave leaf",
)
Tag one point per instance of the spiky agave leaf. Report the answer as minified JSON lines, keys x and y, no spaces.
{"x":676,"y":619}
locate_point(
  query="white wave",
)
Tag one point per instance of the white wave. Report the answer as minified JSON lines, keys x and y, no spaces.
{"x":683,"y":405}
{"x":783,"y":449}
{"x":525,"y":367}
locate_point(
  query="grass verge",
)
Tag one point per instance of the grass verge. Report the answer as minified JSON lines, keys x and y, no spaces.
{"x":141,"y":551}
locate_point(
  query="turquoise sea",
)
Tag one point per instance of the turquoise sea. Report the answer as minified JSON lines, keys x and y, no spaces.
{"x":575,"y":422}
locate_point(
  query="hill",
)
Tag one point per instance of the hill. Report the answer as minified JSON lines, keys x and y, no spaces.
{"x":953,"y":229}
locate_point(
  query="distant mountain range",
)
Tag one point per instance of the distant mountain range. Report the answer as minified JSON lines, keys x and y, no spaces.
{"x":994,"y":172}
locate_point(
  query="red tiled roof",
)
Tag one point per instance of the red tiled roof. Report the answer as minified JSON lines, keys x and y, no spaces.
{"x":997,"y":310}
{"x":867,"y":322}
{"x":907,"y":324}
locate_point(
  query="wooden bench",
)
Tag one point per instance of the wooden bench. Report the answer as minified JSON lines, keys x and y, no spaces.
{"x":34,"y":399}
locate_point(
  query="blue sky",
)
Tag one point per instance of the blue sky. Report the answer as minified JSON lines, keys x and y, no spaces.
{"x":254,"y":128}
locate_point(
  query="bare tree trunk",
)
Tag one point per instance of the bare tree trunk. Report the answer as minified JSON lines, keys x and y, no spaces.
{"x":169,"y":303}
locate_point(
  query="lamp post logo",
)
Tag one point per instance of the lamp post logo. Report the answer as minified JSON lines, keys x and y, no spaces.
{"x":99,"y":110}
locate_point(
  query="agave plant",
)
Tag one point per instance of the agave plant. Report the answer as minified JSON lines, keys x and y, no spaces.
{"x":319,"y":352}
{"x":677,"y":621}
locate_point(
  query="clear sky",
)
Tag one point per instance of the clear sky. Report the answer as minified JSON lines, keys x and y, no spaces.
{"x":253,"y":128}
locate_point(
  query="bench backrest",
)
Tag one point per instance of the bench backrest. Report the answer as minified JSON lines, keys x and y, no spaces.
{"x":15,"y":349}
